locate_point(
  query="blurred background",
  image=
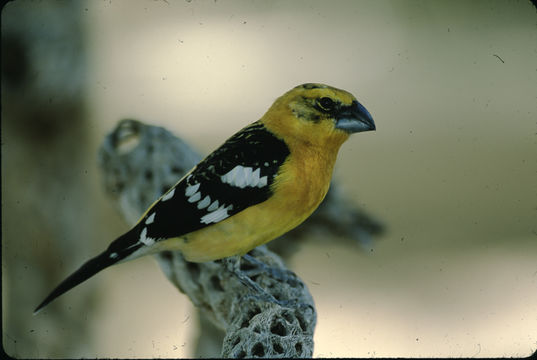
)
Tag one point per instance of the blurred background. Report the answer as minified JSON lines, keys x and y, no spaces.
{"x":451,"y":170}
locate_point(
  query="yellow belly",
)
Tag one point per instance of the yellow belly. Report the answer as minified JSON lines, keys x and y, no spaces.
{"x":235,"y":235}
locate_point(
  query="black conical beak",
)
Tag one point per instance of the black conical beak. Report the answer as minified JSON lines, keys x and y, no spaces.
{"x":355,"y":118}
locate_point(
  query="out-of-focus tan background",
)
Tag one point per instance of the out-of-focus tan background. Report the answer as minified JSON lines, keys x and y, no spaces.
{"x":451,"y":169}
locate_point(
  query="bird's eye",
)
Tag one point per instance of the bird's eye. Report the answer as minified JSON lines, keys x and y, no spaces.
{"x":326,"y":103}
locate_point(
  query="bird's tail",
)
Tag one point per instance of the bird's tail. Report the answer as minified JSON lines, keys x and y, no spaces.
{"x":111,"y":256}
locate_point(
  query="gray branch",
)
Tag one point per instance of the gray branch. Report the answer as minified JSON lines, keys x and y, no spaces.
{"x":139,"y":163}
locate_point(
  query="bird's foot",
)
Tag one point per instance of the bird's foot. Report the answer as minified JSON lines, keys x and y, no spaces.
{"x":245,"y":272}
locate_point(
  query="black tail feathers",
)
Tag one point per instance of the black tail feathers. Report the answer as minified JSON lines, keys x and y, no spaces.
{"x":86,"y":271}
{"x":120,"y":249}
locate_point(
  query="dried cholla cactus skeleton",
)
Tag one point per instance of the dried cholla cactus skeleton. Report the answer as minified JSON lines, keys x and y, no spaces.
{"x":140,"y":162}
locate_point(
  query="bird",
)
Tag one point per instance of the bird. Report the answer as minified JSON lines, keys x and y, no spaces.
{"x":263,"y":181}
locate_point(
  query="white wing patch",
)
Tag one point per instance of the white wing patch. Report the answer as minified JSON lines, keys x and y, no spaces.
{"x":144,"y":239}
{"x":216,"y":215}
{"x":213,"y":206}
{"x":215,"y":211}
{"x":241,"y":176}
{"x":204,"y":203}
{"x":168,"y":195}
{"x":191,"y":189}
{"x":150,"y":219}
{"x":195,"y":197}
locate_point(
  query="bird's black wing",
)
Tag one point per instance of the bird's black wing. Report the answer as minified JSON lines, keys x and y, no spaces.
{"x":234,"y":177}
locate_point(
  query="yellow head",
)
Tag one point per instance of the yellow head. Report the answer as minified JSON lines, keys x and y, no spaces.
{"x":317,"y":114}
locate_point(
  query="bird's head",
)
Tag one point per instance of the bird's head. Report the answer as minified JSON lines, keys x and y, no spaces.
{"x":318,"y":114}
